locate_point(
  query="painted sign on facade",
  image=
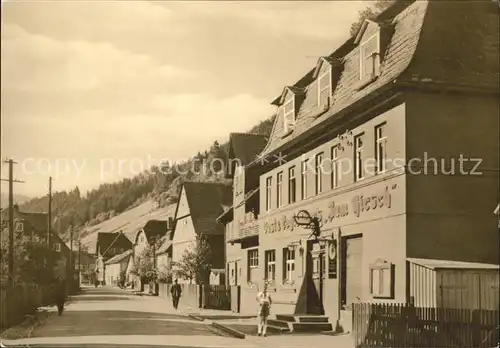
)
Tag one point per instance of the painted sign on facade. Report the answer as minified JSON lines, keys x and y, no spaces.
{"x":359,"y":205}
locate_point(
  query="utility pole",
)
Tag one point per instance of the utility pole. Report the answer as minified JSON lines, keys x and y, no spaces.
{"x":11,"y":218}
{"x":71,"y":246}
{"x":49,"y":219}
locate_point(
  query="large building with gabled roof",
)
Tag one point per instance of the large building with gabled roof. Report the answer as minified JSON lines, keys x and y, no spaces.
{"x":368,"y":143}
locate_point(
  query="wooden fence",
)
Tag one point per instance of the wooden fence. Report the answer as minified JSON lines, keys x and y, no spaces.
{"x":400,"y":325}
{"x":217,"y":297}
{"x":21,"y":300}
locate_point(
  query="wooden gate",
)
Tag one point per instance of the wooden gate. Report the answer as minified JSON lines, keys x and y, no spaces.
{"x":217,"y":297}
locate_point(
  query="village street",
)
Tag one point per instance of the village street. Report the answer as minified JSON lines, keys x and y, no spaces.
{"x":111,"y":317}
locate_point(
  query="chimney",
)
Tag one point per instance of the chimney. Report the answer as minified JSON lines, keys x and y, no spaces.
{"x":16,"y":208}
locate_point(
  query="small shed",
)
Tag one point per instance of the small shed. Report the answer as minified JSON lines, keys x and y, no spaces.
{"x":453,"y":284}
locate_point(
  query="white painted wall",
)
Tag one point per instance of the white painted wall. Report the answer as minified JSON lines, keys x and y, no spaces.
{"x":184,"y":235}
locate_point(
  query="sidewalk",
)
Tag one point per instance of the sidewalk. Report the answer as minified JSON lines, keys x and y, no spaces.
{"x":248,"y":325}
{"x":201,"y":313}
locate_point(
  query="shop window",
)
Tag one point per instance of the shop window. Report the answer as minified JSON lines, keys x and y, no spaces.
{"x":288,"y":264}
{"x":380,"y":148}
{"x":271,"y":265}
{"x":382,"y":280}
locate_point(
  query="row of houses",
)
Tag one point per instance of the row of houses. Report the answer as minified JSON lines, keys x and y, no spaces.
{"x":377,"y":183}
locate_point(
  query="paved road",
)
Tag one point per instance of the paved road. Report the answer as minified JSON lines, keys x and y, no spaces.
{"x":110,"y":317}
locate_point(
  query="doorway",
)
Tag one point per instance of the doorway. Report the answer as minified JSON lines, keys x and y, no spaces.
{"x":316,"y":278}
{"x":351,"y":271}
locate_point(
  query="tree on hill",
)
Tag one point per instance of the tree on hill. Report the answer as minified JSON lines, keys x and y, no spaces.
{"x":370,"y":12}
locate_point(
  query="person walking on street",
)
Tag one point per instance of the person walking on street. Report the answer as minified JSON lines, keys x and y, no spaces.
{"x":60,"y":295}
{"x":265,"y":302}
{"x":176,"y":292}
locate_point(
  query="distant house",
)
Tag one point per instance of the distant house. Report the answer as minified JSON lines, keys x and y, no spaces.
{"x":199,"y":205}
{"x":108,"y":245}
{"x":35,"y":224}
{"x":152,"y":234}
{"x":86,"y":266}
{"x":164,"y":255}
{"x":115,"y":266}
{"x":243,"y":149}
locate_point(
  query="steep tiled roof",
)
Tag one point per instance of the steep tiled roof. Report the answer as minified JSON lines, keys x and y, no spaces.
{"x":155,"y":229}
{"x":459,"y":45}
{"x":434,"y":44}
{"x":119,"y":257}
{"x":37,"y":220}
{"x":246,"y":146}
{"x":106,"y":240}
{"x":400,"y":49}
{"x":206,"y":202}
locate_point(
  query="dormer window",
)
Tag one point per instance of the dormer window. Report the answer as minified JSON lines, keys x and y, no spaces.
{"x":324,"y":88}
{"x":289,"y":115}
{"x":370,"y":58}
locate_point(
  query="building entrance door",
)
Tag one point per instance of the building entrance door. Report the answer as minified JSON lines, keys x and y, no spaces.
{"x":316,"y":272}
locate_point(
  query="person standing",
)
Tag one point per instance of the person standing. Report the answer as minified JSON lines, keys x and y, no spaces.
{"x":176,"y":292}
{"x":265,"y":303}
{"x":60,"y":295}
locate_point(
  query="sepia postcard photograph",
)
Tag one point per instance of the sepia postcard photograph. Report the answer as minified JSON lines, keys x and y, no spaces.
{"x":245,"y":174}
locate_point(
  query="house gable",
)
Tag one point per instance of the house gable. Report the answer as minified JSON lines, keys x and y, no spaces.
{"x":184,"y":238}
{"x":183,"y":205}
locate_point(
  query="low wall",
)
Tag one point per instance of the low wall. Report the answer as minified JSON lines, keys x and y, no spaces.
{"x":21,"y":300}
{"x":190,"y":294}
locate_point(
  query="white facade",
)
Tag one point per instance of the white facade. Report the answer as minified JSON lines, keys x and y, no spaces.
{"x":185,"y":234}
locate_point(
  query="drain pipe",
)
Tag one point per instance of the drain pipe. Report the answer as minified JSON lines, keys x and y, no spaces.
{"x":339,"y":327}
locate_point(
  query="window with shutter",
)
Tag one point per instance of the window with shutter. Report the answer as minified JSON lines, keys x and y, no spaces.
{"x":289,"y":115}
{"x":369,"y":57}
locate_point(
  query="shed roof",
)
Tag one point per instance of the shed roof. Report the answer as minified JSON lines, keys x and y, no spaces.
{"x":449,"y":264}
{"x":119,"y":257}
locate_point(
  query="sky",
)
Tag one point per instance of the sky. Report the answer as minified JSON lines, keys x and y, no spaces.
{"x":94,"y":91}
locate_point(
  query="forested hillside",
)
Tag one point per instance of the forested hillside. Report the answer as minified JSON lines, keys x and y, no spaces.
{"x":71,"y":208}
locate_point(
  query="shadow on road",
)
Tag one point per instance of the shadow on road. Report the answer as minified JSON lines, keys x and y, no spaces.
{"x":119,"y":322}
{"x":91,"y":297}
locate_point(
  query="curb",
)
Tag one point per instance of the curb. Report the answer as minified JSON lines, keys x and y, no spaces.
{"x":195,"y":317}
{"x":233,"y":332}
